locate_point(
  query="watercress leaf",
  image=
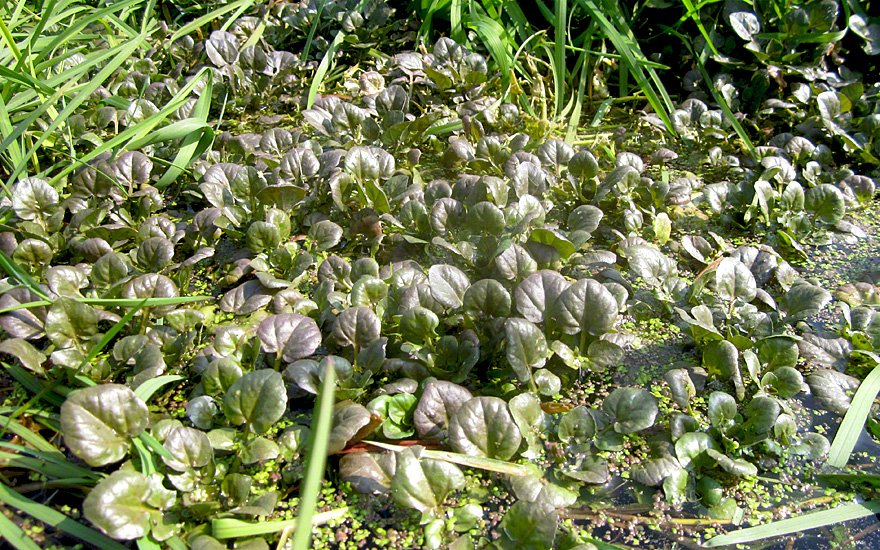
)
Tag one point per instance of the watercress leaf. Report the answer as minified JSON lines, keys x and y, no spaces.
{"x":362,"y":164}
{"x":535,"y":488}
{"x":326,"y":235}
{"x":538,"y":293}
{"x":68,"y":321}
{"x":25,"y":352}
{"x":448,"y":285}
{"x":761,"y":414}
{"x":154,"y":254}
{"x":246,"y":298}
{"x":603,"y":354}
{"x":733,"y":280}
{"x":555,"y":153}
{"x":722,"y":410}
{"x":553,"y":239}
{"x":633,"y":409}
{"x":397,"y":410}
{"x":681,"y":387}
{"x":485,"y":217}
{"x":515,"y":263}
{"x":423,"y":484}
{"x":335,"y":269}
{"x":439,"y":402}
{"x":813,"y":446}
{"x":691,"y":449}
{"x":525,"y":347}
{"x":585,"y":306}
{"x":486,"y":298}
{"x":34,"y":198}
{"x":585,"y":217}
{"x":734,"y":466}
{"x":579,"y":425}
{"x":201,"y":410}
{"x":833,"y":389}
{"x":98,"y":422}
{"x":446,"y":214}
{"x":649,"y":263}
{"x":527,"y":526}
{"x":190,"y":448}
{"x":547,"y":382}
{"x":368,"y":291}
{"x":721,"y":359}
{"x":675,"y":486}
{"x":290,"y":336}
{"x":745,"y":24}
{"x":133,"y":168}
{"x":823,"y":15}
{"x":787,"y":382}
{"x":803,"y":300}
{"x":357,"y":326}
{"x":826,"y":349}
{"x":583,"y":164}
{"x":368,"y":472}
{"x":483,"y":426}
{"x":262,"y":237}
{"x":418,"y":325}
{"x":151,"y":285}
{"x":258,"y":399}
{"x":778,"y":351}
{"x":349,"y":418}
{"x":826,"y":202}
{"x":118,"y":505}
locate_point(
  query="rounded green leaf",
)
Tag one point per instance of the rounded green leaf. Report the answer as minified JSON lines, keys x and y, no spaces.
{"x":258,"y":399}
{"x":578,"y":424}
{"x":633,"y":409}
{"x":483,"y":426}
{"x":326,"y":235}
{"x":486,"y":218}
{"x":826,"y":202}
{"x":154,"y":254}
{"x":525,"y":346}
{"x":537,"y":294}
{"x":98,"y":422}
{"x":263,"y":236}
{"x":290,"y":336}
{"x":733,"y":280}
{"x":357,"y":326}
{"x":190,"y":448}
{"x":439,"y":402}
{"x":118,"y":505}
{"x":586,"y":306}
{"x":486,"y":298}
{"x":418,"y":325}
{"x":423,"y":484}
{"x":448,"y":285}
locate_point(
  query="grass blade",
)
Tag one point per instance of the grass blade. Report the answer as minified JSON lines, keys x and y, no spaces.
{"x":632,"y":58}
{"x":57,"y":519}
{"x":208,"y":17}
{"x":317,"y":459}
{"x":481,"y":463}
{"x":323,"y":67}
{"x":803,"y":522}
{"x":146,"y":390}
{"x":491,"y":33}
{"x":13,"y":534}
{"x":560,"y":36}
{"x":229,"y":528}
{"x":854,"y":422}
{"x":16,"y":272}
